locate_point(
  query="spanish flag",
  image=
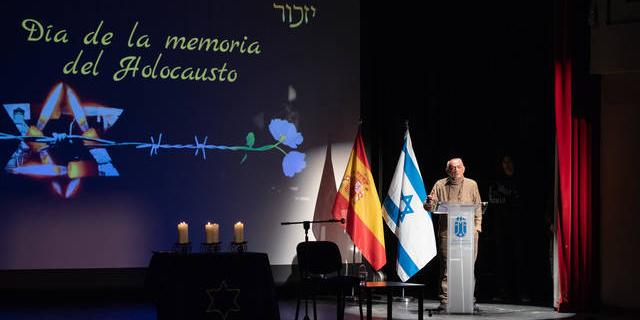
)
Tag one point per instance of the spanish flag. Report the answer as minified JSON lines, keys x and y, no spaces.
{"x":357,"y":201}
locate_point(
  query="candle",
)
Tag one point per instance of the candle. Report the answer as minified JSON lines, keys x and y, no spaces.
{"x":238,"y":232}
{"x":212,"y":232}
{"x":183,"y":233}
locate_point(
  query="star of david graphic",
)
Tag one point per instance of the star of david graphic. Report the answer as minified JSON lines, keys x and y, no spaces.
{"x":63,"y":158}
{"x":223,"y":300}
{"x":65,"y":144}
{"x":405,"y":206}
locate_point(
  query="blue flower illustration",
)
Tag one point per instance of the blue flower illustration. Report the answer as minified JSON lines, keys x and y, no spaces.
{"x":282,"y":129}
{"x":293,"y":163}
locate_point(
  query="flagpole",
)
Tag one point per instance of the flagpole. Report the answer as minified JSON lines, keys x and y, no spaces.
{"x":380,"y":273}
{"x":360,"y":121}
{"x":353,"y":249}
{"x":403,"y":298}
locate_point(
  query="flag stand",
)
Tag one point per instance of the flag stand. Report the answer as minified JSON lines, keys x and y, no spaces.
{"x":403,"y":298}
{"x":353,"y":297}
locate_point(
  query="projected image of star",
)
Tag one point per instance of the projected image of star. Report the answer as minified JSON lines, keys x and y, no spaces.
{"x":66,"y":142}
{"x":59,"y":146}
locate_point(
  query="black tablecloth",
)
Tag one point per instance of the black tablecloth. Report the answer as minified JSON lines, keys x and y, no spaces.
{"x":212,"y":286}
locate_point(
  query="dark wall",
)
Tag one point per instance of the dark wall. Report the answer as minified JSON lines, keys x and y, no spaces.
{"x":615,"y":27}
{"x":474,"y":83}
{"x":620,"y":153}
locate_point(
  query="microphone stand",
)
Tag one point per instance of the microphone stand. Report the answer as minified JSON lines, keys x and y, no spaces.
{"x":306,"y":224}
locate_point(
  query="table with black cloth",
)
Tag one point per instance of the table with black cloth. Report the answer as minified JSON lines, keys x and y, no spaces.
{"x":212,"y":286}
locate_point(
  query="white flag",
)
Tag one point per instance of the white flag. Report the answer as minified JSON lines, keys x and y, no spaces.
{"x":405,"y":215}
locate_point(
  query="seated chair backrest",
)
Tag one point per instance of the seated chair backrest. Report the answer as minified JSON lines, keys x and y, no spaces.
{"x":318,"y":258}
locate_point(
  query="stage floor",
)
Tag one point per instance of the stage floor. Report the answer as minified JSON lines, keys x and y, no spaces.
{"x":110,"y":308}
{"x":409,"y":310}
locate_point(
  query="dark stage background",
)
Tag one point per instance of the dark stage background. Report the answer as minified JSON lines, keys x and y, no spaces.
{"x":473,"y":82}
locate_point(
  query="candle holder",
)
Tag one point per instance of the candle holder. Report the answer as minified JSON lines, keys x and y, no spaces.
{"x":182,"y":247}
{"x":213,"y":247}
{"x":239,"y":246}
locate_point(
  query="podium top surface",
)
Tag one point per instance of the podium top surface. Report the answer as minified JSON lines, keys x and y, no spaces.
{"x":391,"y":284}
{"x":459,"y":204}
{"x":443,"y":207}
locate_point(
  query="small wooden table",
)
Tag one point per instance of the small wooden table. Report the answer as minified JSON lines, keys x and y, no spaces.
{"x":388,"y":286}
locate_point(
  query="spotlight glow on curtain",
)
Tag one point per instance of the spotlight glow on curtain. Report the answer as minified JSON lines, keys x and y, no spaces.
{"x":574,"y":144}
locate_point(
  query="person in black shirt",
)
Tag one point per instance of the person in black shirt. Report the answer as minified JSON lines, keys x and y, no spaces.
{"x":509,"y":232}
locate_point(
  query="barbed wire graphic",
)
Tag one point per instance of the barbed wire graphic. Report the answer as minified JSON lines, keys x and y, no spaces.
{"x":38,"y":147}
{"x":153,"y":146}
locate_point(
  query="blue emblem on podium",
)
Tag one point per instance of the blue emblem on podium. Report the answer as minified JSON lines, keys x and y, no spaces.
{"x":460,"y":227}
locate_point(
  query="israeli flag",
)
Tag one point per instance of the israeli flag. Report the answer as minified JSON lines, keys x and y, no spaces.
{"x":405,"y":215}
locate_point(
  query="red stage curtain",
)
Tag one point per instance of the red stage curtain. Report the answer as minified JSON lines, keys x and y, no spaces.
{"x":574,"y":143}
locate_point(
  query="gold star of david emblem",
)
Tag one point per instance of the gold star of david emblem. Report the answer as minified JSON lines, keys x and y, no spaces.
{"x":223,"y":300}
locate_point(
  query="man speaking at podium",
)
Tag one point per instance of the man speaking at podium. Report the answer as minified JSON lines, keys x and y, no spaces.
{"x":453,"y":189}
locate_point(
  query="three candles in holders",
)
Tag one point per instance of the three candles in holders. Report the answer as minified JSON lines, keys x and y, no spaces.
{"x":211,"y":233}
